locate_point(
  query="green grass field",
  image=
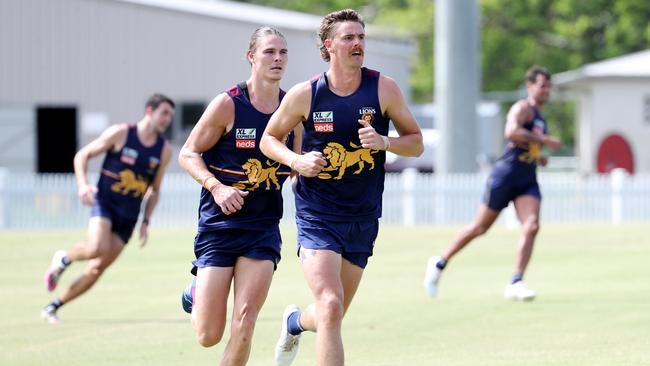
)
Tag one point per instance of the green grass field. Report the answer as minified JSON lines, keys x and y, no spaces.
{"x":593,"y":306}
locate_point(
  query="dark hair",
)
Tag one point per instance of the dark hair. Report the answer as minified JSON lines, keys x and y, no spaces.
{"x":531,"y":74}
{"x":345,"y":15}
{"x":261,"y":32}
{"x":157,"y":99}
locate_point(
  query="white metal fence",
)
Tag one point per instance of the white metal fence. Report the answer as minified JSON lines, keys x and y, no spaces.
{"x":32,"y":201}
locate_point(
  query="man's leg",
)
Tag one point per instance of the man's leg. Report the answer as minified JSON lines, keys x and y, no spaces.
{"x":107,"y":253}
{"x":252,"y":279}
{"x":328,"y":277}
{"x":210,"y":304}
{"x":98,"y":237}
{"x":106,"y":247}
{"x":485,"y":217}
{"x":527,"y":208}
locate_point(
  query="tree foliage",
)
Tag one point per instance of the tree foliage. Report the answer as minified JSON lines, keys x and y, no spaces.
{"x":515,"y":34}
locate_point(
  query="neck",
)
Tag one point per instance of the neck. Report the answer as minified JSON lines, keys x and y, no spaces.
{"x":343,"y":81}
{"x":535,"y":103}
{"x":146,"y":132}
{"x":264,"y":93}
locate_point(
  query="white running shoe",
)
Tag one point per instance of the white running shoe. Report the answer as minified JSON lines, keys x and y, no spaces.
{"x":519,"y":291}
{"x":49,"y":315}
{"x":55,"y":270}
{"x":287,"y":346}
{"x":432,"y":276}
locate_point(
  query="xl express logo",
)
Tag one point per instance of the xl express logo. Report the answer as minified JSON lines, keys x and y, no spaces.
{"x":323,"y":121}
{"x":245,"y":138}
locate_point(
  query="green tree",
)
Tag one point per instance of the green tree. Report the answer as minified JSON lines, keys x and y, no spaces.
{"x":515,"y":34}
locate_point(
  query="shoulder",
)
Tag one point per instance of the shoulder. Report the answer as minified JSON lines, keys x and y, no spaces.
{"x":298,"y":92}
{"x":388,"y":90}
{"x":116,"y":131}
{"x":222,"y":104}
{"x":522,"y":108}
{"x":388,"y":83}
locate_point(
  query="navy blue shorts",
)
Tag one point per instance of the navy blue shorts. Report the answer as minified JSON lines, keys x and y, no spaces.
{"x":120,"y":225}
{"x":221,"y":248}
{"x":353,"y":240}
{"x":500,"y":190}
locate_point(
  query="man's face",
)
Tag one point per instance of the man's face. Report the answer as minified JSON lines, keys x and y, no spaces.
{"x":540,"y":90}
{"x":161,"y":117}
{"x":348,"y":43}
{"x":270,"y":57}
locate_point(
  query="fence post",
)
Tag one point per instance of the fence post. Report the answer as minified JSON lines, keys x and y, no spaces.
{"x":617,"y":178}
{"x":409,"y":176}
{"x":4,"y":211}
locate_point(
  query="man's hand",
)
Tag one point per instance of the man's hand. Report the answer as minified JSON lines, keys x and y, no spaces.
{"x":369,"y":138}
{"x":552,"y":142}
{"x":309,"y":164}
{"x":87,"y":194}
{"x":543,"y":160}
{"x":229,"y":199}
{"x":144,"y":233}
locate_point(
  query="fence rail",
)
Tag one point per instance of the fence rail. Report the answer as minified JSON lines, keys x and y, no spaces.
{"x":46,"y":201}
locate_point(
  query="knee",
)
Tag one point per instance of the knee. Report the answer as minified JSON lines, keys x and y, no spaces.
{"x":531,"y":227}
{"x":208,"y":338}
{"x":93,"y":251}
{"x":243,"y":324}
{"x":479,"y":229}
{"x":95,"y":270}
{"x":330,"y":309}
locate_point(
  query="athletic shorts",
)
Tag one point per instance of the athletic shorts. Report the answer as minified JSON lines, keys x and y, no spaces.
{"x":120,"y":225}
{"x":353,"y":240}
{"x":500,"y":190}
{"x":221,"y":248}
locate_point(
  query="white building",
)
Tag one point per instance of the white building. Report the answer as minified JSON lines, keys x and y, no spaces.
{"x":69,"y":68}
{"x":613,"y":112}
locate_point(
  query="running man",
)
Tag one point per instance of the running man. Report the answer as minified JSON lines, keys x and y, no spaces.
{"x":238,"y":241}
{"x":513,"y":178}
{"x":136,"y":158}
{"x":345,"y":113}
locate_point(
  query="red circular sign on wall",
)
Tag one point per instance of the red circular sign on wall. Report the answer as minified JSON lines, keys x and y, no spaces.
{"x":615,"y":152}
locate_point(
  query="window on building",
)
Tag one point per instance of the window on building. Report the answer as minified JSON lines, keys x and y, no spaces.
{"x":186,"y":116}
{"x":190,"y":114}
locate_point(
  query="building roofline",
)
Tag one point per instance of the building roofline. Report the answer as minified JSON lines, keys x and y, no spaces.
{"x":633,"y":65}
{"x":257,"y":14}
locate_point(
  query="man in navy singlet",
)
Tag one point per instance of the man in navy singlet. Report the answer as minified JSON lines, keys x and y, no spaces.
{"x":513,"y":178}
{"x":345,"y":113}
{"x":238,"y":240}
{"x":136,"y":158}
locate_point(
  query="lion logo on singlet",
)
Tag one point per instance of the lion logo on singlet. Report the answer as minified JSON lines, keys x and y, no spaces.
{"x":533,"y":154}
{"x":130,"y":183}
{"x":339,"y":159}
{"x":256,"y":174}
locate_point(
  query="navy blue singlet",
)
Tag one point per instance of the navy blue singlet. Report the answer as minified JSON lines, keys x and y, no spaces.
{"x":236,"y":160}
{"x":523,"y":157}
{"x":127,"y":174}
{"x":350,"y":187}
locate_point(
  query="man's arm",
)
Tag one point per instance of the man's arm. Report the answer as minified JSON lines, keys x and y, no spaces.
{"x":153,"y":194}
{"x":518,"y":115}
{"x":216,"y":120}
{"x":409,"y":142}
{"x":113,"y":137}
{"x":291,"y":113}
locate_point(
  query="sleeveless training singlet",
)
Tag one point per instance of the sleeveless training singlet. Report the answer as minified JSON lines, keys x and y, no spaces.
{"x":127,"y":174}
{"x":236,"y":161}
{"x":350,"y":187}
